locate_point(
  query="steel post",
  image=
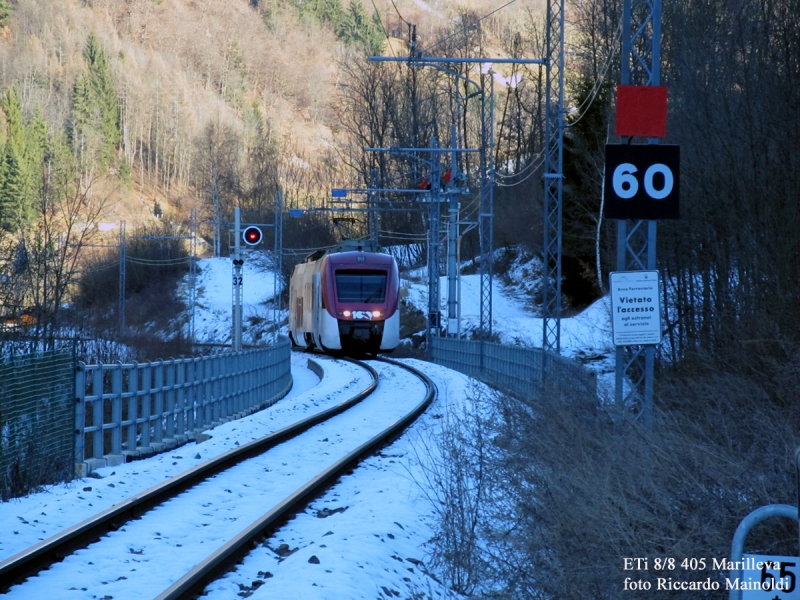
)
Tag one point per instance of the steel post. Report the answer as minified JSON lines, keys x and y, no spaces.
{"x":277,"y":280}
{"x":636,"y":240}
{"x":434,"y":216}
{"x":452,"y":247}
{"x":236,"y":312}
{"x":485,"y":216}
{"x":553,"y":177}
{"x":123,"y":261}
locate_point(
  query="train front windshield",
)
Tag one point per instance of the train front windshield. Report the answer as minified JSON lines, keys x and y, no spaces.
{"x":361,"y":286}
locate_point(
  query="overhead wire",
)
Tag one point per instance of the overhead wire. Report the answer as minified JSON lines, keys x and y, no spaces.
{"x":534,"y":165}
{"x":110,"y":265}
{"x":590,"y":98}
{"x":585,"y":105}
{"x":383,"y":27}
{"x":527,"y":166}
{"x":399,"y":235}
{"x":310,"y":250}
{"x":158,"y":262}
{"x":398,"y":13}
{"x":475,"y":22}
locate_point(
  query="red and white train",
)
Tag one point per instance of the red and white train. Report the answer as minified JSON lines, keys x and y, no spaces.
{"x":346,"y":300}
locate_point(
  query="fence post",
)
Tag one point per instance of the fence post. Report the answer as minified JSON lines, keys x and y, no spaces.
{"x":158,"y":429}
{"x":250,"y":399}
{"x":191,"y":393}
{"x":205,"y":388}
{"x":116,"y":409}
{"x":169,"y":410}
{"x":180,"y":396}
{"x":80,"y":412}
{"x":98,"y":448}
{"x":133,"y":407}
{"x":146,"y":372}
{"x":216,"y":392}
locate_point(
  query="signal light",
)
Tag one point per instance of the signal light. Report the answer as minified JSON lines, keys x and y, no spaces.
{"x":252,"y":236}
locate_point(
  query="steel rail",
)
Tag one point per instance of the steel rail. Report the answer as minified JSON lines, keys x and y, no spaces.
{"x":24,"y":564}
{"x":193,"y":583}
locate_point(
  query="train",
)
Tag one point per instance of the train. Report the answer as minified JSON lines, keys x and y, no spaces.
{"x":346,"y":300}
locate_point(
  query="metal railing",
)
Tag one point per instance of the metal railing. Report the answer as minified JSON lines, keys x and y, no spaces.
{"x":36,"y":418}
{"x":517,"y":369}
{"x":132,"y":410}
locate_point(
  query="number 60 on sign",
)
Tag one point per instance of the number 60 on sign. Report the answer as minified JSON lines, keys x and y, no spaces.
{"x":642,"y":182}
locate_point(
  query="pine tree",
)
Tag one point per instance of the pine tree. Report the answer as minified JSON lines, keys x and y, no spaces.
{"x":11,"y":192}
{"x":358,"y":27}
{"x":95,"y":108}
{"x":6,"y":209}
{"x":15,"y":122}
{"x":5,"y":13}
{"x":38,"y":145}
{"x":16,"y":172}
{"x":325,"y":11}
{"x":377,"y":35}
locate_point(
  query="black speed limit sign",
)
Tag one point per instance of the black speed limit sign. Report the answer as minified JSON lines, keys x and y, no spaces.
{"x":641,"y":181}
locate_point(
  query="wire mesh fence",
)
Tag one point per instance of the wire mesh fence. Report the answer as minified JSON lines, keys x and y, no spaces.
{"x":37,"y":414}
{"x":516,"y":369}
{"x":14,"y":343}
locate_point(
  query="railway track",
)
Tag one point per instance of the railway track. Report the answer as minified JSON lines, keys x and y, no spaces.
{"x":161,"y":515}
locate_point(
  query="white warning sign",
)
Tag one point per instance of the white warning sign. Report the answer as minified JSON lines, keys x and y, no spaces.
{"x":635,"y":308}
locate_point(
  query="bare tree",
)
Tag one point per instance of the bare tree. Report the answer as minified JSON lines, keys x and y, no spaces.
{"x":51,"y":249}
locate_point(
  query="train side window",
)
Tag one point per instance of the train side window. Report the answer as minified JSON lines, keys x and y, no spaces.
{"x":319,"y":297}
{"x":299,"y":318}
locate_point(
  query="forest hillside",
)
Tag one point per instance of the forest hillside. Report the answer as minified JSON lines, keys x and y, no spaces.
{"x":186,"y":81}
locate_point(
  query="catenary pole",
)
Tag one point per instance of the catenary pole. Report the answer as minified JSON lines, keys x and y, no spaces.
{"x":553,"y":178}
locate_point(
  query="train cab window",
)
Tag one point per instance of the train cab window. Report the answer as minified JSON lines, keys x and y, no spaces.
{"x":361,"y":286}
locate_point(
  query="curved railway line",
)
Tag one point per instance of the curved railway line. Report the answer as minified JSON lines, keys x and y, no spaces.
{"x":21,"y":572}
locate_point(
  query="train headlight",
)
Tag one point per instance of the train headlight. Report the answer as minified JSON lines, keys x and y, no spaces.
{"x":376,"y":313}
{"x":347,"y":313}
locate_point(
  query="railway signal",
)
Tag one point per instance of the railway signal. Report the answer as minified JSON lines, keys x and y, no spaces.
{"x":252,"y":236}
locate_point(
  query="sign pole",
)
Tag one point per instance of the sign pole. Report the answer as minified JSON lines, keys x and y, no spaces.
{"x":236,"y":309}
{"x":636,"y":239}
{"x":453,"y":325}
{"x":278,"y":274}
{"x":434,"y":216}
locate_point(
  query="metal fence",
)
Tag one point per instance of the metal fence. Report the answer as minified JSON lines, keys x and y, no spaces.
{"x":516,"y":369}
{"x":37,"y":413}
{"x":130,"y":410}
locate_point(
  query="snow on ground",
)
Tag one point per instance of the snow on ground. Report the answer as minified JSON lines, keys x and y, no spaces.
{"x":212,"y":317}
{"x":370,"y":542}
{"x":585,"y":337}
{"x":515,"y":323}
